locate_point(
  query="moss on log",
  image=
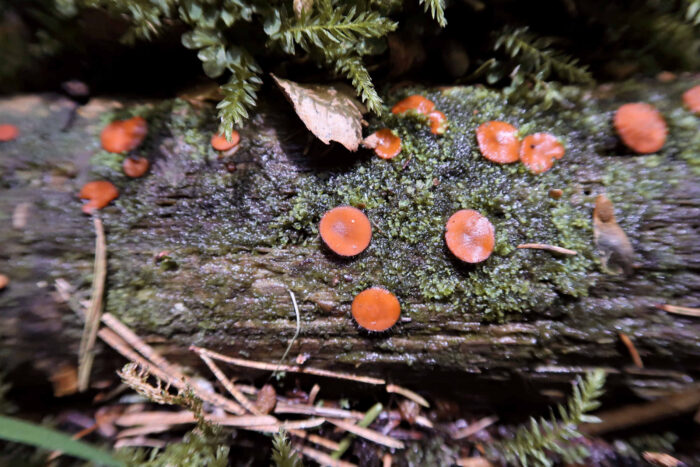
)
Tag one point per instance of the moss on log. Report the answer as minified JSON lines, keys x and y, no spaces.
{"x":240,"y":230}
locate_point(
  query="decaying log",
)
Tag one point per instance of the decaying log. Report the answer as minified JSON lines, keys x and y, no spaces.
{"x":204,"y":249}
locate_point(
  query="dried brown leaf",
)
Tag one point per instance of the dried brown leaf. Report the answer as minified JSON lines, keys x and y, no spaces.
{"x":267,"y":399}
{"x":331,"y":112}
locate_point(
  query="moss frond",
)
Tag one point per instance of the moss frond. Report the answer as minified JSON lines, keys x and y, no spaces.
{"x":533,"y":443}
{"x":692,"y":12}
{"x":353,"y":69}
{"x":534,"y":55}
{"x":437,"y":10}
{"x":283,"y":455}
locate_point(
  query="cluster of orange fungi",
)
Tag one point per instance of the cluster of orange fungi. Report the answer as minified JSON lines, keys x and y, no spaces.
{"x":347,"y":232}
{"x":8,"y":132}
{"x":387,"y":144}
{"x":499,"y":142}
{"x":640,"y":127}
{"x":121,"y":136}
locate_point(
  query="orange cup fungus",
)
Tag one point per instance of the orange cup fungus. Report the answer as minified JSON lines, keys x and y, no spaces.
{"x":220,"y":143}
{"x":8,"y":132}
{"x":376,"y":309}
{"x":100,"y":193}
{"x":415,"y":102}
{"x":386,"y":144}
{"x":135,"y":167}
{"x":641,"y":127}
{"x":345,"y":230}
{"x":124,"y":135}
{"x":438,"y":122}
{"x":538,"y":152}
{"x":469,"y":236}
{"x":691,"y":99}
{"x":498,"y":142}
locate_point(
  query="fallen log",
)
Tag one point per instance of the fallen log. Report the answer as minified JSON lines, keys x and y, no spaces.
{"x":204,"y":249}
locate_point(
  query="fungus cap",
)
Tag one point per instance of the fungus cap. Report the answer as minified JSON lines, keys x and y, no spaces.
{"x":691,"y":99}
{"x":376,"y":309}
{"x":8,"y":132}
{"x":220,"y":143}
{"x":124,"y":135}
{"x":538,"y":152}
{"x":388,"y":145}
{"x":469,"y":236}
{"x":438,"y":122}
{"x":415,"y":102}
{"x":345,"y":230}
{"x":498,"y":142}
{"x":135,"y":167}
{"x":100,"y":193}
{"x":641,"y":127}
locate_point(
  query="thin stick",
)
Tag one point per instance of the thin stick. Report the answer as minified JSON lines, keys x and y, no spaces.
{"x":544,"y":246}
{"x":475,"y":427}
{"x":289,"y":368}
{"x":323,"y":458}
{"x":92,"y":317}
{"x":366,"y":433}
{"x":139,"y":441}
{"x":320,"y":411}
{"x":290,"y":425}
{"x":407,"y":393}
{"x":296,"y":334}
{"x":631,"y":349}
{"x":156,"y":417}
{"x":313,"y":393}
{"x":143,"y":430}
{"x":369,"y":417}
{"x":680,"y":310}
{"x":321,"y":441}
{"x":230,"y":387}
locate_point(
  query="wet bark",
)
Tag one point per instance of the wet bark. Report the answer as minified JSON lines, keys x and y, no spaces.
{"x":232,"y":296}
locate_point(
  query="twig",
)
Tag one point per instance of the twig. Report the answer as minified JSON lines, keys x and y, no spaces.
{"x":474,"y":427}
{"x":474,"y":462}
{"x":640,"y":414}
{"x":230,"y":387}
{"x":313,"y":393}
{"x":408,"y":394}
{"x":631,"y":349}
{"x":289,"y":425}
{"x":387,"y":460}
{"x":366,"y":433}
{"x":144,"y":430}
{"x":544,"y":246}
{"x":139,"y":441}
{"x":320,"y":411}
{"x":157,"y":417}
{"x":369,"y":417}
{"x":321,"y":441}
{"x":92,"y":317}
{"x":680,"y":310}
{"x":661,"y":459}
{"x":296,"y":333}
{"x":323,"y":458}
{"x":289,"y":368}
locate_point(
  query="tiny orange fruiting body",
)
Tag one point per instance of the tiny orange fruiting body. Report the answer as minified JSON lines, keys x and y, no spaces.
{"x":498,"y":142}
{"x":124,"y":135}
{"x":220,"y":143}
{"x":691,"y":99}
{"x":641,"y":127}
{"x":135,"y":167}
{"x":99,"y":193}
{"x":376,"y":309}
{"x":345,"y":230}
{"x":539,"y":151}
{"x":8,"y":132}
{"x":438,"y":122}
{"x":388,"y":145}
{"x":416,"y":103}
{"x":469,"y":236}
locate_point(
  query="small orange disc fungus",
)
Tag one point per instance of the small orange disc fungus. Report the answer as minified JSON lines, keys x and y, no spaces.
{"x":345,"y":230}
{"x":8,"y":132}
{"x":469,"y":236}
{"x":124,"y":135}
{"x":100,"y":193}
{"x":386,"y":144}
{"x":135,"y":167}
{"x":438,"y":122}
{"x":415,"y":102}
{"x":538,"y":152}
{"x":691,"y":99}
{"x":498,"y":142}
{"x":376,"y":309}
{"x":220,"y":143}
{"x":641,"y":127}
